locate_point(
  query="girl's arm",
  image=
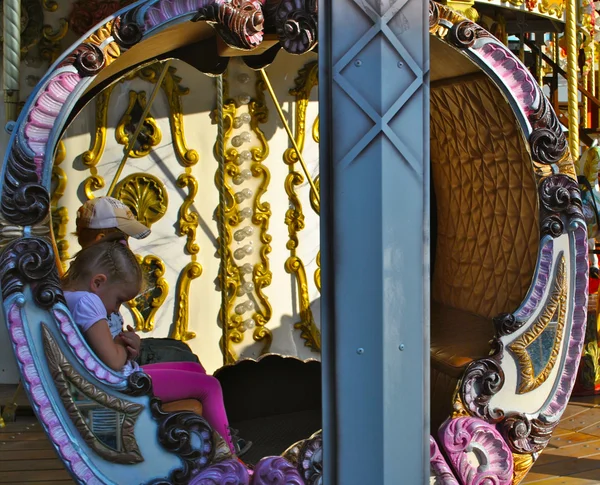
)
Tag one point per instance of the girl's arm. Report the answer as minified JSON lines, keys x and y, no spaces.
{"x":108,"y":351}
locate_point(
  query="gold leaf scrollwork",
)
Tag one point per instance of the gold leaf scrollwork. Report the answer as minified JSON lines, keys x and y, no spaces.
{"x":145,"y":195}
{"x":60,"y":215}
{"x":308,"y":329}
{"x":65,"y":377}
{"x":91,"y":185}
{"x":522,"y":465}
{"x":553,"y":313}
{"x":150,"y":134}
{"x":230,"y":217}
{"x":111,"y":50}
{"x":180,"y":328}
{"x":305,"y":82}
{"x":262,"y":275}
{"x":318,"y":272}
{"x":50,"y":5}
{"x":188,"y":219}
{"x":50,"y":44}
{"x":145,"y":305}
{"x":552,"y":7}
{"x":173,"y":90}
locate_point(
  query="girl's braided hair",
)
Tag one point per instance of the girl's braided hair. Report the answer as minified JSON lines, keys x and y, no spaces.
{"x":110,"y":256}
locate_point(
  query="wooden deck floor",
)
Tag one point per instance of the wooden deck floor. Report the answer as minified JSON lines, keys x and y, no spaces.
{"x":571,"y":458}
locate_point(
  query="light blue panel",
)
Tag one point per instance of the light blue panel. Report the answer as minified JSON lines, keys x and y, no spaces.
{"x":374,"y":112}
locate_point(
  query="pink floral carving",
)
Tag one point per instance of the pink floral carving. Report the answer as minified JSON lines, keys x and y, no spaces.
{"x":42,"y":403}
{"x":44,"y":112}
{"x":167,"y":9}
{"x":439,"y":468}
{"x":78,"y":345}
{"x":462,"y":437}
{"x":514,"y":74}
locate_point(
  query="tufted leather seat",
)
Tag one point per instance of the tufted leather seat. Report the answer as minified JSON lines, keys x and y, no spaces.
{"x":484,"y":224}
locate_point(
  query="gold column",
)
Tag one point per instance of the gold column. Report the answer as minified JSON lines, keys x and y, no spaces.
{"x":572,"y":75}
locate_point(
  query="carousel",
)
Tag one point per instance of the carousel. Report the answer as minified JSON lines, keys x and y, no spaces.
{"x":203,"y":118}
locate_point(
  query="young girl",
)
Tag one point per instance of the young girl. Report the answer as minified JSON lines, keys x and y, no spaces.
{"x":101,"y":278}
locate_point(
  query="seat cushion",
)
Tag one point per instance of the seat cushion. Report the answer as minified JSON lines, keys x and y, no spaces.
{"x":457,"y":338}
{"x":184,"y":405}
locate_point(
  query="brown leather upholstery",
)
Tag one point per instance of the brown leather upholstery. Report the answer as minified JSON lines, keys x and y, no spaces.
{"x":184,"y":405}
{"x":487,"y":231}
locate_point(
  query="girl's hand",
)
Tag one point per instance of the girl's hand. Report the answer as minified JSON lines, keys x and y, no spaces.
{"x":132,"y":342}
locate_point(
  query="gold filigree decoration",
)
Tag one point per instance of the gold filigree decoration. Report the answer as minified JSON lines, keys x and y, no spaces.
{"x":146,"y":304}
{"x":50,"y":5}
{"x":307,"y":326}
{"x":306,"y":81}
{"x":315,"y":130}
{"x":522,"y":465}
{"x":188,"y":219}
{"x":318,"y":272}
{"x":262,"y":274}
{"x":65,"y":376}
{"x":554,"y":312}
{"x":232,"y":324}
{"x":145,"y":195}
{"x":91,"y":157}
{"x":173,"y":91}
{"x":180,"y":329}
{"x":112,"y":50}
{"x":60,"y":215}
{"x":552,"y":7}
{"x":50,"y":46}
{"x":150,"y":134}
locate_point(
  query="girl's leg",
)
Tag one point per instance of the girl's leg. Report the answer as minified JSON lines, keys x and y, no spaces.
{"x":187,"y":366}
{"x":172,"y":384}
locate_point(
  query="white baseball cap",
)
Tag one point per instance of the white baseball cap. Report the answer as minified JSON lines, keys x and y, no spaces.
{"x":107,"y":213}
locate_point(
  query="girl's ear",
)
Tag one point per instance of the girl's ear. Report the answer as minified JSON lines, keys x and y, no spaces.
{"x":99,"y":236}
{"x":97,"y":282}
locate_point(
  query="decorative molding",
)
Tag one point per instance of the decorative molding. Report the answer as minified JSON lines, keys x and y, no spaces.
{"x":60,"y":215}
{"x":64,"y":374}
{"x":439,"y":469}
{"x":150,"y":134}
{"x":189,"y":219}
{"x":555,"y":308}
{"x":295,"y":23}
{"x":262,"y":274}
{"x":477,"y":451}
{"x":525,"y":435}
{"x":173,"y":91}
{"x":522,"y":465}
{"x":229,"y":471}
{"x":50,"y":46}
{"x":275,"y":469}
{"x":307,"y":456}
{"x":306,"y":81}
{"x":145,"y":195}
{"x":182,"y":308}
{"x":30,"y":261}
{"x":145,"y":305}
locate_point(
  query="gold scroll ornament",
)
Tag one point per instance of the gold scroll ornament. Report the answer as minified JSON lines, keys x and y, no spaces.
{"x":150,"y":135}
{"x":60,"y":215}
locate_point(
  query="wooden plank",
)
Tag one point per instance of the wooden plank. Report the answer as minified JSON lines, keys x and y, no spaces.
{"x":29,"y":436}
{"x":30,"y":476}
{"x":26,"y":455}
{"x":14,"y":445}
{"x":48,"y":464}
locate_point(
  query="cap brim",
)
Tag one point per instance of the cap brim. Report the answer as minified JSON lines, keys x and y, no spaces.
{"x":133,"y":229}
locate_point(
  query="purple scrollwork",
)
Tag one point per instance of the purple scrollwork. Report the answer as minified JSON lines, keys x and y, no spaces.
{"x":482,"y":379}
{"x":477,"y":452}
{"x":439,"y":468}
{"x":228,"y":472}
{"x":275,"y":470}
{"x":542,"y":276}
{"x":295,"y":23}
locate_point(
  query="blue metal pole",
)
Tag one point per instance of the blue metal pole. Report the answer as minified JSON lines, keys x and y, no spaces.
{"x":374,"y":109}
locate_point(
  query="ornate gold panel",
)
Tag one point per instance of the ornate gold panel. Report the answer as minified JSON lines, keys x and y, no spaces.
{"x":145,"y":195}
{"x":112,"y":50}
{"x":306,"y":81}
{"x":150,"y":134}
{"x":50,"y":46}
{"x":173,"y":91}
{"x":180,"y":328}
{"x":60,"y":215}
{"x":523,"y":463}
{"x":188,"y":219}
{"x":66,"y":378}
{"x":146,"y":304}
{"x":553,"y":314}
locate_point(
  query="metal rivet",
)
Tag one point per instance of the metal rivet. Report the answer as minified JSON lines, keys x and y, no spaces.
{"x":360,"y":351}
{"x":401,"y":347}
{"x":400,"y":65}
{"x":358,"y":63}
